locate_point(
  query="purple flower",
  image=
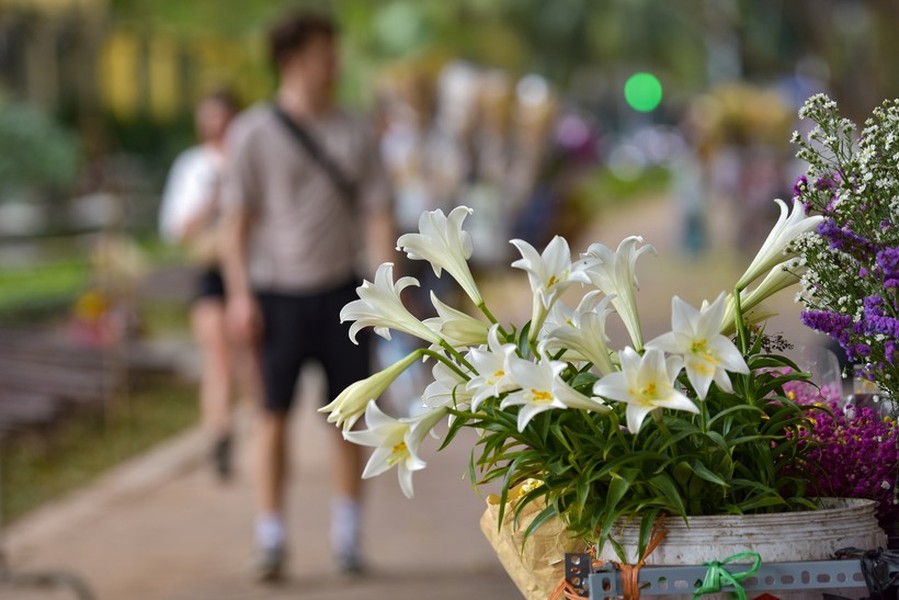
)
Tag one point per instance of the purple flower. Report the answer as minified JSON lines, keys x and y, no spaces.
{"x":889,"y":350}
{"x":873,"y":306}
{"x":857,"y":450}
{"x":827,"y":182}
{"x":833,"y":324}
{"x":858,"y":350}
{"x":888,"y":260}
{"x":844,"y":239}
{"x":800,"y":186}
{"x":887,"y":326}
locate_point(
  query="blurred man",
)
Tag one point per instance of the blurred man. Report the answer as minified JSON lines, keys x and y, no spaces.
{"x":303,"y":193}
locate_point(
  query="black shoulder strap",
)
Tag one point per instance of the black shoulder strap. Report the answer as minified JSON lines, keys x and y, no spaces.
{"x":344,"y":185}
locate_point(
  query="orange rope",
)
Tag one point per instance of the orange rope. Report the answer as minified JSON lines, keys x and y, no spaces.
{"x":630,"y":574}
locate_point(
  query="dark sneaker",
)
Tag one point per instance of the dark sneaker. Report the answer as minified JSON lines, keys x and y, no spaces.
{"x":221,"y":457}
{"x":270,"y":564}
{"x":351,"y":563}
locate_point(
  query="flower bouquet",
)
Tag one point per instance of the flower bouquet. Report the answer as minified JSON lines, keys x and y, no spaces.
{"x":854,"y":448}
{"x":693,"y":422}
{"x":850,"y":287}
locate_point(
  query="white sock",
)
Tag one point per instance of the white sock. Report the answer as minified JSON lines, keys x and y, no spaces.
{"x":270,"y":530}
{"x":345,"y":526}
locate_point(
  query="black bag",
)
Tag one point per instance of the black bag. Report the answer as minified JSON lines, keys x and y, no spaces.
{"x":881,"y":570}
{"x":344,"y":185}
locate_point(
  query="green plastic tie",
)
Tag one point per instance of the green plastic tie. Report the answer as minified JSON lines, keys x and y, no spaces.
{"x":717,"y":576}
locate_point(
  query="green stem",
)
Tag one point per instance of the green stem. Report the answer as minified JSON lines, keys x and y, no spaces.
{"x":704,"y":416}
{"x":455,"y":354}
{"x":742,"y":333}
{"x":659,"y":420}
{"x":483,"y":308}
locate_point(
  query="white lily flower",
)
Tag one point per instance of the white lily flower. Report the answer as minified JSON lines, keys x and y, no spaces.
{"x":581,"y":332}
{"x":549,"y":274}
{"x":396,"y":445}
{"x":780,"y":277}
{"x":447,"y":389}
{"x":456,"y":327}
{"x":614,"y":274}
{"x":542,"y":388}
{"x":644,"y":383}
{"x":707,"y":354}
{"x":490,"y":363}
{"x":379,"y":306}
{"x":442,"y":242}
{"x":789,"y":226}
{"x":349,"y":405}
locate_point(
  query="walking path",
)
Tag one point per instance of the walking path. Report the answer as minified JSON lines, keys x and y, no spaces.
{"x":161,"y":528}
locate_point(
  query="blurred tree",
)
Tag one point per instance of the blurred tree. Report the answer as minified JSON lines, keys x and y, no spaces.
{"x":36,"y":153}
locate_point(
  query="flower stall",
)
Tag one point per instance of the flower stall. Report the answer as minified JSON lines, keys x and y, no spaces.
{"x":622,"y":449}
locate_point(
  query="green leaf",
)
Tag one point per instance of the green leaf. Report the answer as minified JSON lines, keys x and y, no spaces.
{"x":647,"y":524}
{"x":542,"y":517}
{"x":734,"y":409}
{"x":524,"y":346}
{"x":669,"y":490}
{"x":583,"y":382}
{"x":617,"y":489}
{"x":705,"y":473}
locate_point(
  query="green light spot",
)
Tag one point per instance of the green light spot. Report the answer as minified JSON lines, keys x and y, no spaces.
{"x":643,"y":92}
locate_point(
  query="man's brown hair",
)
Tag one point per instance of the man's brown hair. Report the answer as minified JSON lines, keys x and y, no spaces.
{"x":293,"y":32}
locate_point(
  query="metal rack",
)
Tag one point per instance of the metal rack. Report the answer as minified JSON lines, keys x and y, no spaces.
{"x":605,"y":583}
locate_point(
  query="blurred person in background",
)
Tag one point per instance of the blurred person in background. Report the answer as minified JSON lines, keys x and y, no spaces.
{"x":189,"y":216}
{"x":305,"y":197}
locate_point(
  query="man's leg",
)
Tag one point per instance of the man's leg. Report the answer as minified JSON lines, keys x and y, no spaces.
{"x":281,"y":358}
{"x":270,"y":484}
{"x":344,"y":364}
{"x":271,"y":462}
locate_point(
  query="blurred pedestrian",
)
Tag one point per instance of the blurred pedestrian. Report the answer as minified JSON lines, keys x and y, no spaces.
{"x":305,"y":198}
{"x":189,"y":215}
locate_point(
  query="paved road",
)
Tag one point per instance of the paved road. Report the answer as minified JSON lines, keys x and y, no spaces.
{"x":161,"y":528}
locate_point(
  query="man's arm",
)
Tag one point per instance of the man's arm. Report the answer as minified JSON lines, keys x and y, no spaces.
{"x":242,"y":309}
{"x":380,"y":236}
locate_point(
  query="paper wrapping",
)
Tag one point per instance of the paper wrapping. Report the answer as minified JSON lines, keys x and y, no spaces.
{"x":537,"y":567}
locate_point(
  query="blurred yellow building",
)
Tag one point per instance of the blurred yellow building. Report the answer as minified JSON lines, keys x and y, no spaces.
{"x":71,"y":55}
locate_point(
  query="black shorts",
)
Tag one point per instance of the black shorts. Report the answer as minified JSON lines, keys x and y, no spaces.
{"x":210,"y":286}
{"x":298,"y":329}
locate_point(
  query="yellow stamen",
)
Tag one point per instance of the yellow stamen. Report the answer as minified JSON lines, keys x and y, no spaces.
{"x":398,"y":453}
{"x":541,"y":395}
